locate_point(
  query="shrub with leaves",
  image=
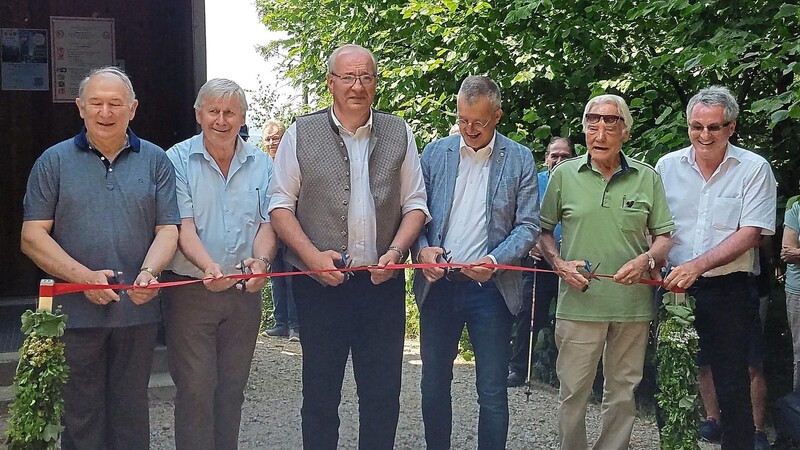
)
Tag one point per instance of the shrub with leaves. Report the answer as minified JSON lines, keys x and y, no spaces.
{"x":35,"y":415}
{"x":677,"y":373}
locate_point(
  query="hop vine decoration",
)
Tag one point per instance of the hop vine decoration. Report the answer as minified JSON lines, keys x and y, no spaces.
{"x":677,"y":373}
{"x":35,"y":415}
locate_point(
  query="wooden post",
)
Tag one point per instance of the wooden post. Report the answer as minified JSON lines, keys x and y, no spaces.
{"x":46,"y":295}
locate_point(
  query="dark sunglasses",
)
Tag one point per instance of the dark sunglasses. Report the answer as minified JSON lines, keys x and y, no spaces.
{"x":609,"y":119}
{"x":713,"y":128}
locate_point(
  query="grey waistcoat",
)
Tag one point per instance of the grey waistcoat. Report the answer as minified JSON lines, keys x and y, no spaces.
{"x":322,"y":205}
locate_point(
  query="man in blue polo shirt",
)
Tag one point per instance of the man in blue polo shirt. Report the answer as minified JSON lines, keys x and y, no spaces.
{"x":100,"y":208}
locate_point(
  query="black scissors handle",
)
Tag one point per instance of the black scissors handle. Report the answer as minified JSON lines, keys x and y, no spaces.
{"x":590,"y":274}
{"x":241,"y":285}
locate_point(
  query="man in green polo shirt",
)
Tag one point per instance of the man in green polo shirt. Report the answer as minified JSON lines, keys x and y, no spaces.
{"x":612,"y":211}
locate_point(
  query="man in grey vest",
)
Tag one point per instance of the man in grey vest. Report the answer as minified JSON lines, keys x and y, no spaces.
{"x":348,"y":191}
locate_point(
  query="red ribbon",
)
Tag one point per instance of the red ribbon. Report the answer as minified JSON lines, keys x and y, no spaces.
{"x":70,"y":288}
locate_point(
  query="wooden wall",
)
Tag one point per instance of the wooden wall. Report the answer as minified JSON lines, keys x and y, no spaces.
{"x":162,"y":44}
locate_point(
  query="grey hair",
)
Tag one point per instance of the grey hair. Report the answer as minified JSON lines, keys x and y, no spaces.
{"x":476,"y":86}
{"x":566,"y":140}
{"x":274,"y":123}
{"x":110,"y":70}
{"x":350,"y":47}
{"x":220,"y":88}
{"x":616,"y":100}
{"x":715,"y":96}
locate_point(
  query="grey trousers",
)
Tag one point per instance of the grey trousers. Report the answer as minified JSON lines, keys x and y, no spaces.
{"x":106,"y":394}
{"x":793,"y":314}
{"x":211,"y":337}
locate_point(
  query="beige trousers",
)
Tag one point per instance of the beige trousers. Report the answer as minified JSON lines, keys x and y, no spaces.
{"x":580,"y":345}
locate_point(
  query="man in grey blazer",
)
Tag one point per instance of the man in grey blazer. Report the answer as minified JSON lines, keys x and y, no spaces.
{"x":482,"y":196}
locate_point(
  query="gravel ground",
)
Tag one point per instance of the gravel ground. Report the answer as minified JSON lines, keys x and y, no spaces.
{"x":271,"y":416}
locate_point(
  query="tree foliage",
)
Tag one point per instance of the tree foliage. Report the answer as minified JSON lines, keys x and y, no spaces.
{"x":550,"y":57}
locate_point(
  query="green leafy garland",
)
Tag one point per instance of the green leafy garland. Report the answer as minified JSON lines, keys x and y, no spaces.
{"x":677,"y":373}
{"x":35,"y":415}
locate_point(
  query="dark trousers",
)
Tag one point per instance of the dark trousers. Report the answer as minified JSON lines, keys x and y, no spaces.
{"x":368,"y":321}
{"x":211,"y":337}
{"x":283,"y":305}
{"x":448,"y":307}
{"x":546,"y":291}
{"x":723,"y":316}
{"x":105,"y":396}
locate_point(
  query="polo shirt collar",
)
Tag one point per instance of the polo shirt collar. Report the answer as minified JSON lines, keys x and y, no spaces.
{"x":623,"y":163}
{"x":133,"y":142}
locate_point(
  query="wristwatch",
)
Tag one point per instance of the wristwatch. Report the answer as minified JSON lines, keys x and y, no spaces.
{"x":266,"y":261}
{"x":149,"y":270}
{"x":651,"y":262}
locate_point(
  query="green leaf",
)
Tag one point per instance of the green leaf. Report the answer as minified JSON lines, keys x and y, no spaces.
{"x":779,"y":115}
{"x":767,"y":104}
{"x":786,"y":10}
{"x":530,"y":116}
{"x":542,"y":132}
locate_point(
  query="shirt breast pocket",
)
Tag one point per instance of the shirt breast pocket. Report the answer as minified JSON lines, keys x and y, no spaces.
{"x":245,"y":205}
{"x":726,"y":213}
{"x":634,"y":212}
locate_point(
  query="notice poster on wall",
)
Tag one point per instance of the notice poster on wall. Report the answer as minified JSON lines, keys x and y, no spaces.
{"x":23,"y":59}
{"x":80,"y":44}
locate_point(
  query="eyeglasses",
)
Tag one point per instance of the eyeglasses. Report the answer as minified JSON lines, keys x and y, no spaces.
{"x":350,"y":80}
{"x":608,"y":119}
{"x":477,"y":123}
{"x":713,"y":128}
{"x":272,"y":140}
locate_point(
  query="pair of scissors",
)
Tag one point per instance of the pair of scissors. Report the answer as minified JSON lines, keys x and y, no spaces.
{"x":345,"y":264}
{"x":446,"y":258}
{"x":590,"y":274}
{"x":241,"y":285}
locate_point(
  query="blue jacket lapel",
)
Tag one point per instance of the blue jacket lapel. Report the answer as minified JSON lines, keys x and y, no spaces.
{"x":495,"y":172}
{"x":452,"y":157}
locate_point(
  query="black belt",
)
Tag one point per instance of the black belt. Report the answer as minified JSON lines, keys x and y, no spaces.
{"x":168,"y":275}
{"x":457,"y":277}
{"x":722,"y":280}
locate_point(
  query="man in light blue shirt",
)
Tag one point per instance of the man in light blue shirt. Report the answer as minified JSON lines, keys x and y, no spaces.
{"x":546,"y":284}
{"x":212,"y":327}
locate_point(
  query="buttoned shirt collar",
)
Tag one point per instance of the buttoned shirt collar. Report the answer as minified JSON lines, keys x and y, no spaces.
{"x":197,"y":146}
{"x":485,"y":151}
{"x":732,"y":152}
{"x":360,"y":131}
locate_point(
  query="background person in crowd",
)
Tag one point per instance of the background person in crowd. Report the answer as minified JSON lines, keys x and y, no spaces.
{"x":284,"y":309}
{"x":212,"y":326}
{"x":271,"y":135}
{"x":100,"y":208}
{"x":455,"y":129}
{"x":790,"y":254}
{"x":609,"y":206}
{"x":348,"y":190}
{"x":480,"y":185}
{"x":723,"y":199}
{"x":559,"y":149}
